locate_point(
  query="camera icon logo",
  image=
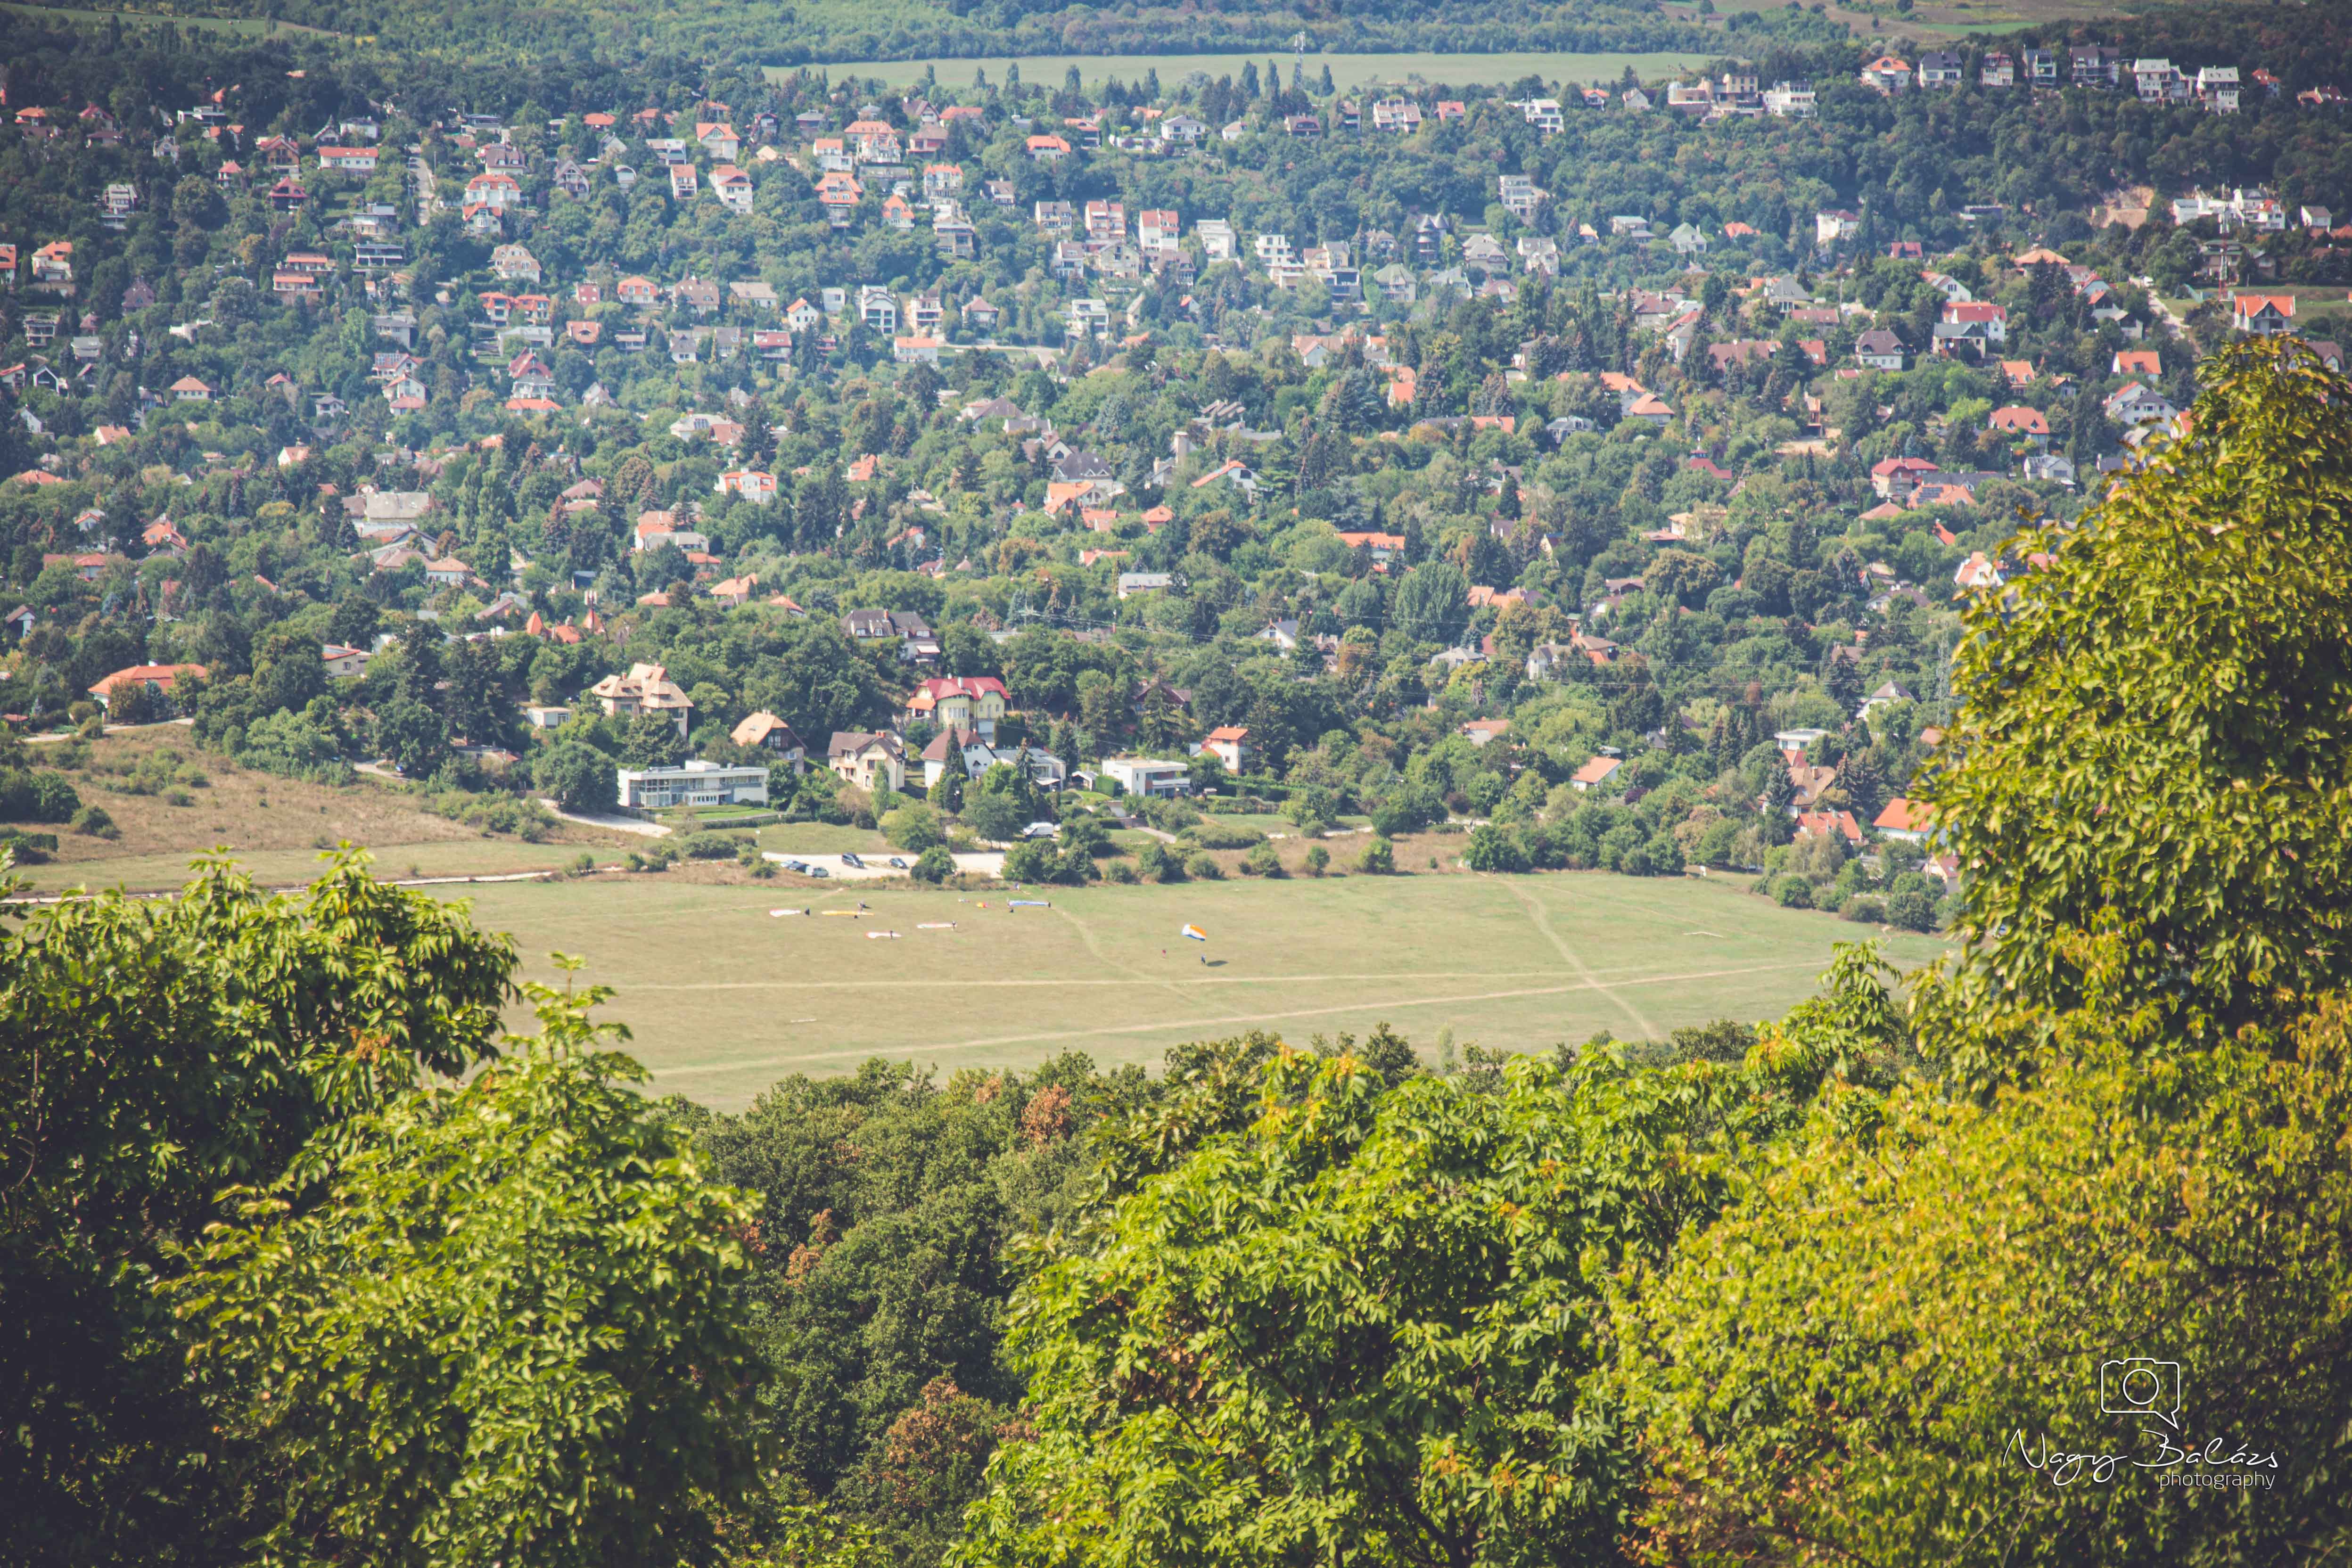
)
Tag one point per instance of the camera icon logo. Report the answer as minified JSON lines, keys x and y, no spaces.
{"x":2137,"y":1385}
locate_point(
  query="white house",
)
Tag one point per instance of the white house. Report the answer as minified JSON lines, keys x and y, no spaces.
{"x":699,"y":783}
{"x":343,"y":663}
{"x":1149,"y":775}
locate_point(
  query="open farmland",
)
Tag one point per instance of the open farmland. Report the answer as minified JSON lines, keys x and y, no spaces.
{"x":724,"y":998}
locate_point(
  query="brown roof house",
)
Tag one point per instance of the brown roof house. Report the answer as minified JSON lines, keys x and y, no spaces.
{"x":646,"y":689}
{"x":867,"y":759}
{"x":763,"y":731}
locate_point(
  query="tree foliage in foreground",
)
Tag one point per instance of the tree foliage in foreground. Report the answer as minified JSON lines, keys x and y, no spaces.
{"x":152,"y":1053}
{"x":1362,"y":1327}
{"x":2154,"y":737}
{"x":887,"y":1202}
{"x":511,"y":1327}
{"x":301,"y":1261}
{"x":1853,"y":1365}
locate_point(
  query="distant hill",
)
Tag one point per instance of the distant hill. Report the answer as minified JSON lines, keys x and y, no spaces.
{"x":843,"y":30}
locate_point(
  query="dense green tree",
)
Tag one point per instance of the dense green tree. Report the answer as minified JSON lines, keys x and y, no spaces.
{"x":1364,"y":1326}
{"x":887,"y":1203}
{"x":577,"y":775}
{"x":498,"y":1320}
{"x":652,"y":740}
{"x":1889,"y":1350}
{"x":2177,"y":666}
{"x":232,"y":1029}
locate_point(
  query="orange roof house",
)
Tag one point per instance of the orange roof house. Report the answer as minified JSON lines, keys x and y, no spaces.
{"x":1600,"y":770}
{"x":157,"y":678}
{"x":2265,"y":315}
{"x":1907,"y":820}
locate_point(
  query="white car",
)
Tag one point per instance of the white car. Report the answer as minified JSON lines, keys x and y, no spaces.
{"x":1042,"y":831}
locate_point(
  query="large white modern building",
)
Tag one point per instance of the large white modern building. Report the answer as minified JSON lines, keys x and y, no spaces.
{"x":698,"y":783}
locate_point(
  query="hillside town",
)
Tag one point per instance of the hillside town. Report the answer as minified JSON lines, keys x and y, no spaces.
{"x":899,"y":441}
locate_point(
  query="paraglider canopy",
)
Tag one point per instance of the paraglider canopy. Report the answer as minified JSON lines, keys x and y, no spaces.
{"x":1196,"y":934}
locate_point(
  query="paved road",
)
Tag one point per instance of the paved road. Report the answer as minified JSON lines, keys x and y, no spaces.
{"x":612,"y":820}
{"x":53,"y":736}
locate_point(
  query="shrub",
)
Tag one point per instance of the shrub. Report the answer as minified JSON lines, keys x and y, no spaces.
{"x":1793,"y":893}
{"x":1408,"y":810}
{"x":1154,"y":861}
{"x":1312,"y":810}
{"x":914,"y":829}
{"x":30,"y":849}
{"x":1492,"y":848}
{"x":493,"y":813}
{"x":708,"y":846}
{"x":1262,"y":862}
{"x":1203,"y":867}
{"x":1120,"y":871}
{"x":54,"y":800}
{"x":1083,"y":833}
{"x":1319,"y":860}
{"x":1170,"y":816}
{"x":1378,"y":857}
{"x":1029,"y":860}
{"x":178,"y":798}
{"x":1863,"y":908}
{"x":1213,"y":835}
{"x":37,"y":795}
{"x":94,"y":821}
{"x":994,"y":817}
{"x":934,"y":865}
{"x":1665,"y":855}
{"x":1911,"y":910}
{"x":292,"y":746}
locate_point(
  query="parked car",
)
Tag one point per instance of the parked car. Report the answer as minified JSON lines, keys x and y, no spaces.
{"x":851,"y":860}
{"x":897,"y":864}
{"x":1042,"y":831}
{"x":818,"y":871}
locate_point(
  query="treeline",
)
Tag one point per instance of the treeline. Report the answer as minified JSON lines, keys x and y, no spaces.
{"x":915,"y":29}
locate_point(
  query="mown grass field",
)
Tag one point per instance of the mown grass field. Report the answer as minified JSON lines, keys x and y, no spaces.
{"x":724,"y":998}
{"x":1346,"y":70}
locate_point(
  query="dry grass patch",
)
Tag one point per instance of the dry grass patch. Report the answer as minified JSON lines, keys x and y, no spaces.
{"x":277,"y":825}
